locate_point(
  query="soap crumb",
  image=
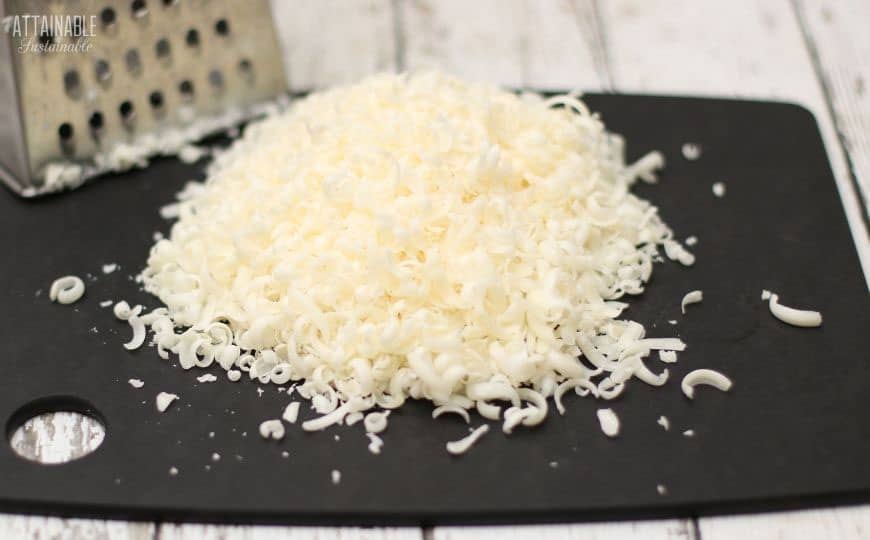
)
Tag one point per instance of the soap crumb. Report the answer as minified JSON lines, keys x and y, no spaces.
{"x":554,"y":464}
{"x":285,"y":454}
{"x":691,"y":151}
{"x":661,"y":489}
{"x":689,"y":433}
{"x":719,"y":189}
{"x":664,"y":422}
{"x":215,"y":457}
{"x":336,"y":476}
{"x":106,"y":303}
{"x":691,"y":241}
{"x":136,"y":383}
{"x":164,"y":400}
{"x":109,"y":268}
{"x":173,"y":471}
{"x":208,"y":377}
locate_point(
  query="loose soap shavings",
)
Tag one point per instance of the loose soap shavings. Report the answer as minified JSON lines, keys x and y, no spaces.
{"x":368,"y":279}
{"x":271,"y":429}
{"x":707,"y":377}
{"x":691,"y":151}
{"x":164,"y":400}
{"x":109,"y":268}
{"x":136,"y":383}
{"x":664,"y":422}
{"x":795,"y":317}
{"x":375,"y":443}
{"x":291,"y":413}
{"x":719,"y":189}
{"x":609,"y":422}
{"x":66,"y":290}
{"x":691,"y":297}
{"x":207,"y":378}
{"x":462,"y":445}
{"x":689,"y":433}
{"x":335,"y":475}
{"x":106,"y":303}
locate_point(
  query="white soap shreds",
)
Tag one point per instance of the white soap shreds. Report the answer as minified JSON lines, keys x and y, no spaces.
{"x":66,"y":290}
{"x":691,"y":297}
{"x":795,"y":317}
{"x":668,"y":357}
{"x":335,"y":476}
{"x":272,"y":429}
{"x":291,"y":412}
{"x":462,"y":445}
{"x":164,"y":400}
{"x":719,"y":189}
{"x":376,"y":422}
{"x":416,"y":237}
{"x":691,"y":151}
{"x":664,"y":422}
{"x":609,"y":422}
{"x":136,"y":383}
{"x":206,"y":378}
{"x":375,"y":443}
{"x":109,"y":268}
{"x":707,"y":377}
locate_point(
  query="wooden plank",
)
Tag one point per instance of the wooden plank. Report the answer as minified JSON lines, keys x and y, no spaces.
{"x":224,"y":532}
{"x":744,"y":48}
{"x":671,"y":529}
{"x":837,"y":34}
{"x":329,"y":42}
{"x":843,"y":523}
{"x":519,"y":43}
{"x":50,"y":528}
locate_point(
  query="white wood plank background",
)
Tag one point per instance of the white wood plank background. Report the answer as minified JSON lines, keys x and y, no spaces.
{"x":813,"y":52}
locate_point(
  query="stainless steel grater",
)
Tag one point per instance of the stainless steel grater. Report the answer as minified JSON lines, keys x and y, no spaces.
{"x":70,"y":93}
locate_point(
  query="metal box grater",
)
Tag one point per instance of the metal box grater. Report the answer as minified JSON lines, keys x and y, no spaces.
{"x":150,"y":66}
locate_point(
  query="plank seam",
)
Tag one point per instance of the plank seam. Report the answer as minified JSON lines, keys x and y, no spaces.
{"x":815,"y":60}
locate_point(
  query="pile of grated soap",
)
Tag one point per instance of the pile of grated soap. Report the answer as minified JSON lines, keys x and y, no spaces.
{"x":416,"y":236}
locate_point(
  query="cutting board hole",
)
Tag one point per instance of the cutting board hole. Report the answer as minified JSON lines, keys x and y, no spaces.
{"x":55,"y":430}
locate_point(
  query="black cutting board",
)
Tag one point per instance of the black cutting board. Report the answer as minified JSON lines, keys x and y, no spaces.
{"x":795,"y":429}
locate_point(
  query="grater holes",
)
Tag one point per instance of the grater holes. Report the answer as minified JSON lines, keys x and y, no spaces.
{"x":192,"y":37}
{"x":162,"y":48}
{"x":95,"y":121}
{"x":108,"y":16}
{"x":155,"y":98}
{"x":245,"y":65}
{"x":222,"y":27}
{"x":216,"y":79}
{"x":134,"y":63}
{"x":65,"y":132}
{"x":169,"y":3}
{"x":138,"y":8}
{"x":102,"y":70}
{"x":127,"y":111}
{"x":72,"y":83}
{"x":186,"y":89}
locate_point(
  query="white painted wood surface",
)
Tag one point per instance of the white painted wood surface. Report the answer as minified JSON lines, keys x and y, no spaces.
{"x":813,"y":52}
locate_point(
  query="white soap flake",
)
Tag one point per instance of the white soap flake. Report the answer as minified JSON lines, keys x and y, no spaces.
{"x":271,"y":429}
{"x":109,"y":268}
{"x":136,"y":383}
{"x":234,"y":375}
{"x":375,"y":443}
{"x":207,"y":378}
{"x":66,"y":290}
{"x":796,"y":317}
{"x":707,"y":377}
{"x":691,"y":241}
{"x":215,"y":457}
{"x":462,"y":445}
{"x":661,"y":489}
{"x":105,"y":303}
{"x":689,"y":433}
{"x":291,"y":412}
{"x":691,"y":151}
{"x":664,"y":422}
{"x":719,"y":189}
{"x":173,"y":471}
{"x":335,"y":475}
{"x":164,"y":400}
{"x":691,"y":297}
{"x":609,"y":422}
